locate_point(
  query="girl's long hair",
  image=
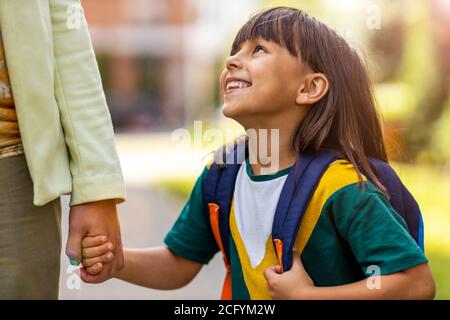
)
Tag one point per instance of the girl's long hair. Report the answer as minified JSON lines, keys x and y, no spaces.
{"x":345,"y":119}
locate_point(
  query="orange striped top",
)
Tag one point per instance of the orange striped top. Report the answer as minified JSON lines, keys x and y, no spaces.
{"x":10,"y":141}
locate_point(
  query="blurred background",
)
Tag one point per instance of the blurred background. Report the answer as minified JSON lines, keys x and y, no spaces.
{"x":160,"y":61}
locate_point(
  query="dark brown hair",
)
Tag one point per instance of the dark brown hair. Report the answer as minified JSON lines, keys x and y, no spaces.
{"x":345,"y":119}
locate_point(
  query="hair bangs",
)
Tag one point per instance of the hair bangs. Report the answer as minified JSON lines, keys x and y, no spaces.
{"x":279,"y":25}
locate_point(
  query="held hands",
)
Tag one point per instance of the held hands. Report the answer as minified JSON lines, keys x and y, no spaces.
{"x":97,"y":251}
{"x":91,"y":220}
{"x":294,"y":284}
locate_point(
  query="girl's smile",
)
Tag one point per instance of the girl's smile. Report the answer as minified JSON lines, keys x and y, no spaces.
{"x":233,"y":84}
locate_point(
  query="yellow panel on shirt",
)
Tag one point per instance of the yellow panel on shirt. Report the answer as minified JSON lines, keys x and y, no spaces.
{"x":337,"y":176}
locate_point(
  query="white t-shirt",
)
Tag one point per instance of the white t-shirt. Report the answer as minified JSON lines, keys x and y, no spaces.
{"x":255,"y":202}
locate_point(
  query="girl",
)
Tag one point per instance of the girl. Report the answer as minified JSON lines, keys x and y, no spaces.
{"x":287,"y":71}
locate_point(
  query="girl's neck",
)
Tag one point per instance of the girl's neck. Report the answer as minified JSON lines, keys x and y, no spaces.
{"x":270,"y":150}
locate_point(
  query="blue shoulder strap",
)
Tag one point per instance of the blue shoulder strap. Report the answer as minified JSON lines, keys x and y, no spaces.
{"x":218,"y":187}
{"x":297,"y":191}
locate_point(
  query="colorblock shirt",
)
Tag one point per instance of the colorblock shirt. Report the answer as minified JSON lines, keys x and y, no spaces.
{"x":347,"y":231}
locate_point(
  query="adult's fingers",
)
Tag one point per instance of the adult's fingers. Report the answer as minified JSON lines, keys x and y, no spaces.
{"x":73,"y":245}
{"x":89,"y":242}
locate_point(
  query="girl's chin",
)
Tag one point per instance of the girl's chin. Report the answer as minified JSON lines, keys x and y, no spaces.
{"x":231,"y":111}
{"x":238,"y":113}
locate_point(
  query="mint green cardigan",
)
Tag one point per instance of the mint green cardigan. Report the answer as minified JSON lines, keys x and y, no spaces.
{"x":63,"y":117}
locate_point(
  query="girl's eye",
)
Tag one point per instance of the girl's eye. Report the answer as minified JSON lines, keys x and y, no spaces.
{"x":259,"y":49}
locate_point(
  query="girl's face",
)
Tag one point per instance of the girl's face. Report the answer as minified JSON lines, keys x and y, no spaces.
{"x":261,"y":79}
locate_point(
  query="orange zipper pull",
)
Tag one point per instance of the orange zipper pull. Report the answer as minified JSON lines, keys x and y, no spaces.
{"x":279,"y":251}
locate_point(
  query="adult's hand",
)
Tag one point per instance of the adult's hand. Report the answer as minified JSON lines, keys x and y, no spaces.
{"x":95,"y":219}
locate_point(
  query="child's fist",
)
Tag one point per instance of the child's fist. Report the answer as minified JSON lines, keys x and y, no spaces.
{"x":292,"y":284}
{"x":96,"y":251}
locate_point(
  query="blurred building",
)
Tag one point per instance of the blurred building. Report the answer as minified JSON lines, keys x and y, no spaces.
{"x":160,"y":59}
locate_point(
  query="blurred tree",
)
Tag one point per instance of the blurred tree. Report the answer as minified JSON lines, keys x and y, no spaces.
{"x":433,"y":100}
{"x":387,"y":44}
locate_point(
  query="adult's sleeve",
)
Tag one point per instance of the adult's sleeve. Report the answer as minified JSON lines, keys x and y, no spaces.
{"x":88,"y":131}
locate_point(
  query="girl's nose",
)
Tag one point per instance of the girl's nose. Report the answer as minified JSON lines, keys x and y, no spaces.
{"x":232,"y":62}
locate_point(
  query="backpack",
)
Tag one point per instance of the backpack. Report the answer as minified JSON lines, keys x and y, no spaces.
{"x":300,"y":184}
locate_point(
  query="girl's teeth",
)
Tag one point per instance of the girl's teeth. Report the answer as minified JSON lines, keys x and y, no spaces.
{"x":237,"y":85}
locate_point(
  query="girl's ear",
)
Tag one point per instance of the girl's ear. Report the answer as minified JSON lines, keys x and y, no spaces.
{"x":314,"y":87}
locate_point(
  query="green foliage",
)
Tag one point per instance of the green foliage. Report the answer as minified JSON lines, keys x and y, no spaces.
{"x":431,"y":187}
{"x":441,"y":139}
{"x":179,"y":189}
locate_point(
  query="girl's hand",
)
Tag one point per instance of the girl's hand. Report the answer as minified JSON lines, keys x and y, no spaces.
{"x":294,"y":284}
{"x":96,"y":251}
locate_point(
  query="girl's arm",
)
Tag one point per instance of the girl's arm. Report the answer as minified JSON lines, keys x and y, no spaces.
{"x":157,"y":268}
{"x":415,"y":283}
{"x":410,"y":284}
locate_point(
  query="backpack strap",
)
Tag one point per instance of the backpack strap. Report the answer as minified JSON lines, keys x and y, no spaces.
{"x":218,"y":190}
{"x":297,"y":191}
{"x":401,"y":199}
{"x":301,"y":184}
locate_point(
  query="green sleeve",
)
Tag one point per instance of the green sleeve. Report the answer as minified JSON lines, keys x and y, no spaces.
{"x":377,"y":235}
{"x":191,"y":236}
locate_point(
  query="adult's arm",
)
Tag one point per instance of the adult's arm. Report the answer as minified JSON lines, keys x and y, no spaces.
{"x":97,"y":182}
